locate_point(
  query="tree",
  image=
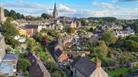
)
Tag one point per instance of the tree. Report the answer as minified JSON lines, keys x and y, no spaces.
{"x":19,"y":16}
{"x":6,"y":12}
{"x":102,"y":48}
{"x":91,"y":29}
{"x":12,"y":14}
{"x":11,"y":41}
{"x":71,"y":30}
{"x":31,"y":44}
{"x":52,"y":66}
{"x":9,"y":28}
{"x":9,"y":31}
{"x":131,"y":45}
{"x":23,"y":64}
{"x":50,"y":33}
{"x":108,"y":37}
{"x":120,"y":43}
{"x":132,"y":37}
{"x":46,"y":16}
{"x":56,"y":74}
{"x":83,"y":22}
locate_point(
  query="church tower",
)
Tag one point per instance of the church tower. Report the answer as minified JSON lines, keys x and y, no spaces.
{"x":55,"y":11}
{"x":2,"y":17}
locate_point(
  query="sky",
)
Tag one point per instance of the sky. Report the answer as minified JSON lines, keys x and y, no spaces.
{"x":122,"y":9}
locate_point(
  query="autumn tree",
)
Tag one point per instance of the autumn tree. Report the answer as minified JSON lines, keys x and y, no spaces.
{"x":71,"y":30}
{"x":102,"y":48}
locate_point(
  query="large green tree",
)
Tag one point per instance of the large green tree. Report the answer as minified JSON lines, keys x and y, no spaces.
{"x":84,"y":22}
{"x":102,"y":49}
{"x":23,"y":64}
{"x":71,"y":30}
{"x":9,"y":31}
{"x":108,"y":37}
{"x":13,"y":14}
{"x":31,"y":44}
{"x":46,"y":16}
{"x":131,"y":45}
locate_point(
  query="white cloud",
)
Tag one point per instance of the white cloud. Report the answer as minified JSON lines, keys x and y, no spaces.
{"x":103,"y":5}
{"x":108,"y":9}
{"x":22,"y":5}
{"x":126,"y":13}
{"x":63,"y":10}
{"x":122,"y":13}
{"x":96,"y":13}
{"x":66,"y":9}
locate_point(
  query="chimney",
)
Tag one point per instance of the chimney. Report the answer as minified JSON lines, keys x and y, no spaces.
{"x":98,"y":64}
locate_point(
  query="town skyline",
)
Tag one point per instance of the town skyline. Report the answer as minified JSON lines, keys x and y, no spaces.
{"x":68,"y":38}
{"x":121,"y":9}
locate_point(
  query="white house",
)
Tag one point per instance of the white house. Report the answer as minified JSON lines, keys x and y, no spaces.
{"x":8,"y":65}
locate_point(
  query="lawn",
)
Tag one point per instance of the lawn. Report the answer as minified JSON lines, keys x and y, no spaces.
{"x":118,"y":72}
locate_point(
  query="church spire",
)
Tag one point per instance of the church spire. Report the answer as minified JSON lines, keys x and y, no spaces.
{"x":55,"y":11}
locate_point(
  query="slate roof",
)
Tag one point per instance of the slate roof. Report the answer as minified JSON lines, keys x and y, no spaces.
{"x":37,"y":68}
{"x":10,"y":57}
{"x":58,"y":52}
{"x":29,"y":27}
{"x":85,"y":66}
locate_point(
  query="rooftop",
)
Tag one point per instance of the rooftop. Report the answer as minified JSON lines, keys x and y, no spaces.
{"x":85,"y":66}
{"x":10,"y":57}
{"x":5,"y":69}
{"x":29,"y":27}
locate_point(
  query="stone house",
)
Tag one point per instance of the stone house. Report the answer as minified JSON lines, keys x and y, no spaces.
{"x":84,"y":67}
{"x":2,"y":47}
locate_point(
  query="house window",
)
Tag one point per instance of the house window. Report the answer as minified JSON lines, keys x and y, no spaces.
{"x":14,"y":66}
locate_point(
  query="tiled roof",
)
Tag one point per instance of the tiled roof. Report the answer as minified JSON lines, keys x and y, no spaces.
{"x":63,"y":57}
